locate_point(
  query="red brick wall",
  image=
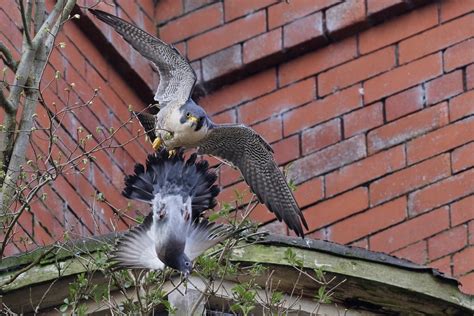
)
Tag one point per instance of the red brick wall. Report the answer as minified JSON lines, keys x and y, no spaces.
{"x":71,"y":209}
{"x":369,"y":103}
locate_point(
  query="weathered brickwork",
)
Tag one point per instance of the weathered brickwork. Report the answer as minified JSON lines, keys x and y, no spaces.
{"x":369,"y":103}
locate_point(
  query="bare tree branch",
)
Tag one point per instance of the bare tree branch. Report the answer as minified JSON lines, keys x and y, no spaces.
{"x":39,"y":14}
{"x":32,"y":63}
{"x":24,"y":19}
{"x":7,"y":57}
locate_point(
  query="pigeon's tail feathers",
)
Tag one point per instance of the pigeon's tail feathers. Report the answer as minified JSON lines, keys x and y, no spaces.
{"x":202,"y":235}
{"x":173,"y":175}
{"x":136,"y":249}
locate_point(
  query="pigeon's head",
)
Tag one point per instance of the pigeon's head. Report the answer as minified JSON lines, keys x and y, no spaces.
{"x":194,"y":116}
{"x":181,"y":263}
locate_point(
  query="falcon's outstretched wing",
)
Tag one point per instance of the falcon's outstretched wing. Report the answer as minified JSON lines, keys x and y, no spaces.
{"x":249,"y":152}
{"x":177,"y":77}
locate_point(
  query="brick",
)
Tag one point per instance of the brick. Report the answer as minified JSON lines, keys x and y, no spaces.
{"x":337,"y":208}
{"x":190,"y":5}
{"x":409,"y":179}
{"x":261,"y":215}
{"x":440,"y":140}
{"x":447,"y":242}
{"x":321,"y":136}
{"x":436,"y":39}
{"x":377,"y":6}
{"x":403,"y":77}
{"x":322,"y":110}
{"x":328,"y":159}
{"x":443,"y":265}
{"x":219,"y":38}
{"x":471,"y":232}
{"x":365,"y":170}
{"x":239,"y":92}
{"x":368,"y":222}
{"x":404,"y":103}
{"x":270,"y":130}
{"x":236,"y":8}
{"x":463,"y":157}
{"x":309,"y":192}
{"x":399,"y":28}
{"x":462,"y":261}
{"x":320,"y":60}
{"x":461,"y":106}
{"x":279,"y":101}
{"x":467,"y":283}
{"x":347,"y":14}
{"x":275,"y":227}
{"x":453,"y":8}
{"x":458,"y":55}
{"x":470,"y":77}
{"x":228,"y":175}
{"x":462,"y":211}
{"x":287,"y":149}
{"x":221,"y":63}
{"x":192,"y":24}
{"x":363,"y":120}
{"x":355,"y":71}
{"x":229,"y":116}
{"x":410,"y":231}
{"x":407,"y":127}
{"x":444,"y":87}
{"x":303,"y":30}
{"x":283,"y":12}
{"x":362,"y":243}
{"x":442,"y":192}
{"x":417,"y":252}
{"x":168,"y":9}
{"x":262,"y":46}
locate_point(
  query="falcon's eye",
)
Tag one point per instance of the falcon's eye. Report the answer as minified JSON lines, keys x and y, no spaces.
{"x":187,"y":263}
{"x":188,"y":115}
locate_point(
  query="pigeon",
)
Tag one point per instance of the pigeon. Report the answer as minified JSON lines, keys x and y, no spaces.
{"x":175,"y":232}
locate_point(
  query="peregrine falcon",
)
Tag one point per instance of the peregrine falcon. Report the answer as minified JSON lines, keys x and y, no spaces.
{"x":180,"y":122}
{"x":174,"y":233}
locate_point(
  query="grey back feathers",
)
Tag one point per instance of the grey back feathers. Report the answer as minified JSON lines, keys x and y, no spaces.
{"x":177,"y":77}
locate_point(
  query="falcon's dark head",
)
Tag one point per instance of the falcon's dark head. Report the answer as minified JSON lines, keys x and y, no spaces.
{"x":194,"y":116}
{"x":166,"y":175}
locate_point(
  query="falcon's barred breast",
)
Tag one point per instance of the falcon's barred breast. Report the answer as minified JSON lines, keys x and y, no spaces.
{"x":181,"y":122}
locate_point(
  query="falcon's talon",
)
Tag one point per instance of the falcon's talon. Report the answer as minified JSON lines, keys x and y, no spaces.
{"x":171,"y":153}
{"x":157,"y":143}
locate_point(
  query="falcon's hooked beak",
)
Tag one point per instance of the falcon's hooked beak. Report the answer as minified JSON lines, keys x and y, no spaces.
{"x":192,"y":118}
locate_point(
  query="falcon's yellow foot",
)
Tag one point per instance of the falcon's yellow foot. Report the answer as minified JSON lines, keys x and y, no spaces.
{"x":157,"y":143}
{"x":171,"y":153}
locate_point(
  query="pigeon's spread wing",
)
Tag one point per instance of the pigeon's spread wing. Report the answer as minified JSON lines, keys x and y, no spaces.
{"x":136,"y":249}
{"x":148,"y":122}
{"x":249,"y":152}
{"x":203,"y":235}
{"x":177,"y":77}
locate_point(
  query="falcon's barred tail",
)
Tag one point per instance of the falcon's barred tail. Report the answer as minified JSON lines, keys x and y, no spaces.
{"x":172,"y":175}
